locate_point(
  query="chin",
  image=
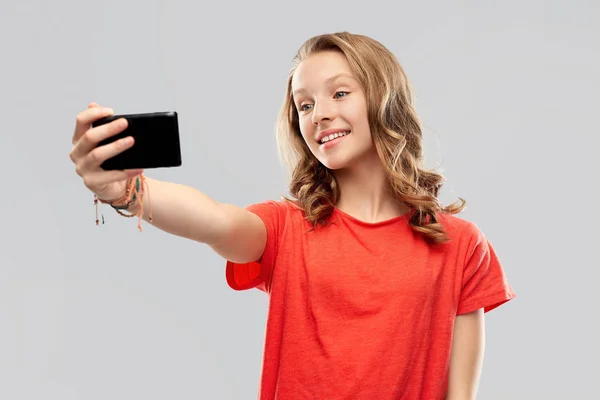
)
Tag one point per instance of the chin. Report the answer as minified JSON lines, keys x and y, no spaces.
{"x":349,"y":159}
{"x":334,"y":163}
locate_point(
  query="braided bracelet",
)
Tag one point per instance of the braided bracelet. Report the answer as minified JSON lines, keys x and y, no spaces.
{"x":134,"y":192}
{"x":115,"y":204}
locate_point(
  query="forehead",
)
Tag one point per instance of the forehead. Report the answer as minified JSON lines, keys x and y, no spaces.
{"x":319,"y":68}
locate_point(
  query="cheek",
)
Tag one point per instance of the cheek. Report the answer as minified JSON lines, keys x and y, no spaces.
{"x":306,"y":129}
{"x":361,"y":117}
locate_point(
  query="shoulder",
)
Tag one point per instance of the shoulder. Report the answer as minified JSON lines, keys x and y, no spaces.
{"x":483,"y":282}
{"x":456,"y":224}
{"x":277,"y":211}
{"x":279,"y":206}
{"x":461,"y":232}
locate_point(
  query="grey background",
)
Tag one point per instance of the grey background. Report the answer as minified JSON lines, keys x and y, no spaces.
{"x":507,"y":92}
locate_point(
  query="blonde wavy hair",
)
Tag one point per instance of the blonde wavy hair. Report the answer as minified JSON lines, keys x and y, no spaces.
{"x":396,"y":132}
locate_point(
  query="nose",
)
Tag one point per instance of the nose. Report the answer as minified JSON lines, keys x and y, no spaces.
{"x":322,"y":112}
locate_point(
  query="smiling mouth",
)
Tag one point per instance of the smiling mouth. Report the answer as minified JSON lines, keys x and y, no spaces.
{"x":334,"y":136}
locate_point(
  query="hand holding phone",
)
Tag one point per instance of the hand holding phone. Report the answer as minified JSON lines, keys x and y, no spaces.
{"x":105,"y":157}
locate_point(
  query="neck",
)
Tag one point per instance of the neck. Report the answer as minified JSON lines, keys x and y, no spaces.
{"x":364,"y":192}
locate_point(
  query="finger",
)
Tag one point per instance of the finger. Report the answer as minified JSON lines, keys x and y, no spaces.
{"x":84,"y":120}
{"x":99,"y":178}
{"x":97,"y":156}
{"x":93,"y":104}
{"x":95,"y":135}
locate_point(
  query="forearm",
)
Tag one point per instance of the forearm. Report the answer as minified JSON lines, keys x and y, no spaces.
{"x":182,"y":210}
{"x":466,"y":358}
{"x":232,"y":232}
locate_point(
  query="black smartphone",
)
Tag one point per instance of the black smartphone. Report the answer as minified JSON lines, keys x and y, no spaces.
{"x":156,"y":141}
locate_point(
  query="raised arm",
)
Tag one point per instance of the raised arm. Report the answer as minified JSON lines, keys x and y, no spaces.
{"x":233,"y":232}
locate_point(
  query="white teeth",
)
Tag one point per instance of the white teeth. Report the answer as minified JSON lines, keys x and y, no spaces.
{"x":334,"y":136}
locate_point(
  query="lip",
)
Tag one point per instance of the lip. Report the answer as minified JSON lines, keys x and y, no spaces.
{"x":332,"y":143}
{"x":329,"y":132}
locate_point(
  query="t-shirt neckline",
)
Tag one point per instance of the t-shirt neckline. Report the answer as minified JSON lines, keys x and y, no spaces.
{"x":388,"y":221}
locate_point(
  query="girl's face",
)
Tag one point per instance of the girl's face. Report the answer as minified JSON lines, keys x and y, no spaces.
{"x":332,"y":110}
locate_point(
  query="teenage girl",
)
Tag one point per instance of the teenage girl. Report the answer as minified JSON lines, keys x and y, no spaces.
{"x":376,"y":290}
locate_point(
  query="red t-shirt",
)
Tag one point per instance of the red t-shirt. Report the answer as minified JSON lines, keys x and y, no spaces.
{"x":363,"y":310}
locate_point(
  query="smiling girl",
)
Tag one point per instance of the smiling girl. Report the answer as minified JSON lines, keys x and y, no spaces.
{"x":376,"y":290}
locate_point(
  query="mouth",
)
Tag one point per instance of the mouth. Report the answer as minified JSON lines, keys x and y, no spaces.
{"x":333,"y":136}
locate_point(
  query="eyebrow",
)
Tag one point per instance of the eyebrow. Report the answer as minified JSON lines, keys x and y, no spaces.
{"x":327,"y":81}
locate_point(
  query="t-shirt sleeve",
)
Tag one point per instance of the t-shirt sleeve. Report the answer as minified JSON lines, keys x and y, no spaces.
{"x":257,"y":274}
{"x":484,"y":282}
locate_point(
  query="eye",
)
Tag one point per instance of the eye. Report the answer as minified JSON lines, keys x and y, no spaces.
{"x":303,"y":107}
{"x":340,"y":93}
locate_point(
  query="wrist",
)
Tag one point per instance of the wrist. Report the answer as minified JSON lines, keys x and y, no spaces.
{"x":128,"y":198}
{"x":132,"y":201}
